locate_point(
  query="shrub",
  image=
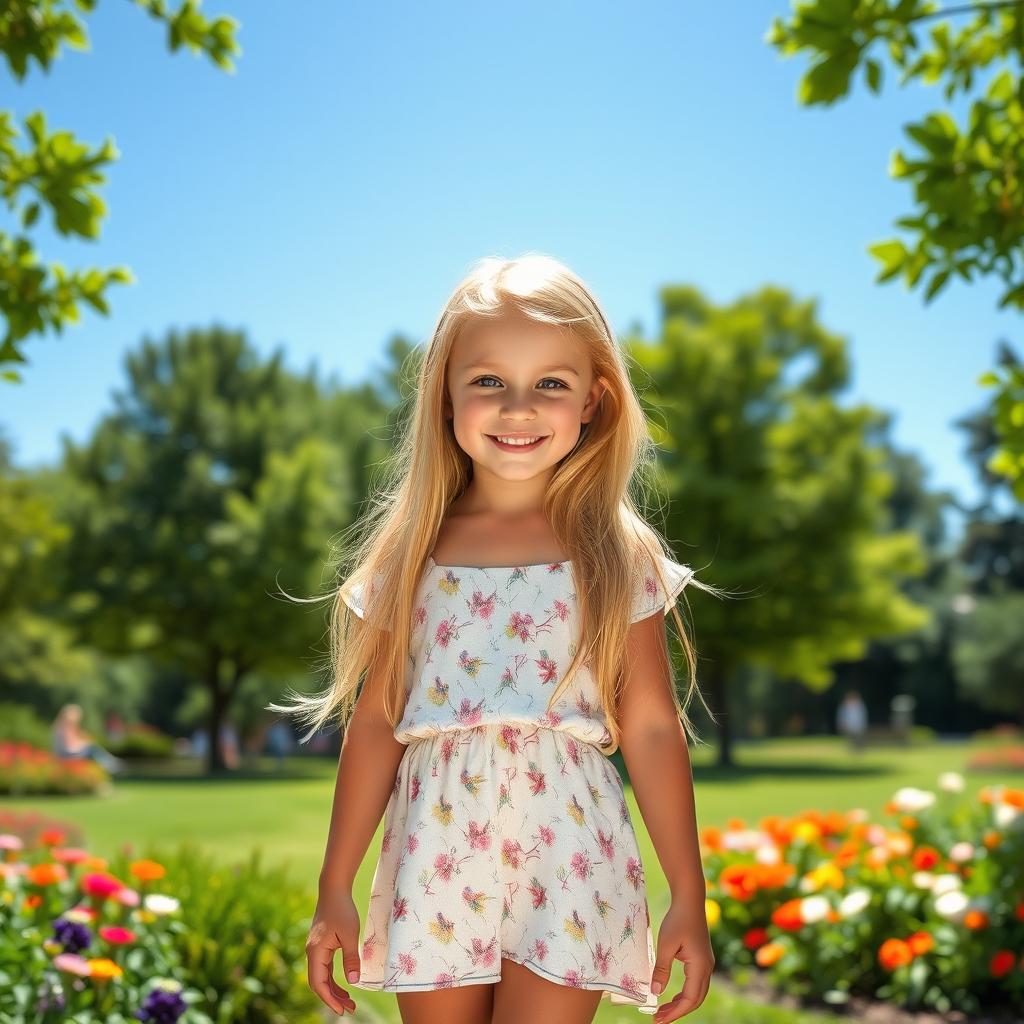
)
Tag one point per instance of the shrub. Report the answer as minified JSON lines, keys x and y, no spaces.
{"x":926,"y":912}
{"x":142,"y":741}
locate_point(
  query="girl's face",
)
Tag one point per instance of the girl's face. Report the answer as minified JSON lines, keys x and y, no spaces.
{"x":512,"y":377}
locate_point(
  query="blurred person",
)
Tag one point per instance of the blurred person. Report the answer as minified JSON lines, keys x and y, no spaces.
{"x":70,"y":740}
{"x":852,"y":719}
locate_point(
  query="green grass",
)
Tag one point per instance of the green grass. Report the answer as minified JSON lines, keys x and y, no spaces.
{"x":287,"y":816}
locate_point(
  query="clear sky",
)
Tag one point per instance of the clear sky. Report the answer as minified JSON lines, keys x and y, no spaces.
{"x":332,"y":191}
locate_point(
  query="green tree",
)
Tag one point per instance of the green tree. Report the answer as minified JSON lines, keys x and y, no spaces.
{"x":968,"y":182}
{"x":57,"y":171}
{"x":783,"y":490}
{"x":207,"y":496}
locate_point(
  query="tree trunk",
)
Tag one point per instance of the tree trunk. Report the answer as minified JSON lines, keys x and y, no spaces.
{"x":718,"y":692}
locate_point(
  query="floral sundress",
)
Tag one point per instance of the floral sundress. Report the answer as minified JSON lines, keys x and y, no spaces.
{"x":507,"y":833}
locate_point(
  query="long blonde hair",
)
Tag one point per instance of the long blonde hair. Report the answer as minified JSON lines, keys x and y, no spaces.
{"x":589,"y":504}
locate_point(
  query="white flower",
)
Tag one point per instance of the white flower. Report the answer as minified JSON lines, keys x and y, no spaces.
{"x":923,"y":879}
{"x":951,"y":905}
{"x":1006,"y":815}
{"x":961,"y":853}
{"x":745,"y":840}
{"x":768,"y":853}
{"x":946,"y":883}
{"x":813,"y":909}
{"x":910,"y":800}
{"x":951,"y":782}
{"x":160,"y":904}
{"x":854,"y":902}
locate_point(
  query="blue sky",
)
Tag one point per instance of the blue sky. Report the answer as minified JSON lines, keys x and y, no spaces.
{"x":332,"y":191}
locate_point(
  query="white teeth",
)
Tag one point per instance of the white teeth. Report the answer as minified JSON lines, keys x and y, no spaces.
{"x":518,"y":440}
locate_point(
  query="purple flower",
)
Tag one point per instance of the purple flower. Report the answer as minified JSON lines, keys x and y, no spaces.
{"x":72,"y":935}
{"x":162,"y":1007}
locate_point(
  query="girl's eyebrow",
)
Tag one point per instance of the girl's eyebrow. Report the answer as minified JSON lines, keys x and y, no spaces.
{"x":491,"y":366}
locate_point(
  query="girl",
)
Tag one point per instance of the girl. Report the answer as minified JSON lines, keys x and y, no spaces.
{"x":507,"y":605}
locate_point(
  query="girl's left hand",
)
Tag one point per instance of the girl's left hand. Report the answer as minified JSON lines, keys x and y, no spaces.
{"x":683,"y":935}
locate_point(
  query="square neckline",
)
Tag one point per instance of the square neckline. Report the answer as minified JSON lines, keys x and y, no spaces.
{"x":497,"y":568}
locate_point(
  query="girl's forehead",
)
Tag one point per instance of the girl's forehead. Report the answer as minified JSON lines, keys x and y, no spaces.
{"x":511,"y":342}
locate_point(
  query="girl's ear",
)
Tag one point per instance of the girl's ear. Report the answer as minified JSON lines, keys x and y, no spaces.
{"x":597,"y":390}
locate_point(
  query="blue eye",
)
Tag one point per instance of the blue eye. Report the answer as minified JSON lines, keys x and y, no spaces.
{"x":552,"y":379}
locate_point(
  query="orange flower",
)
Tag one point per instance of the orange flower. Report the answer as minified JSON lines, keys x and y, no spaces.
{"x":787,"y":916}
{"x":976,"y":920}
{"x":894,"y":953}
{"x":920,"y":942}
{"x":755,"y":937}
{"x":147,"y":870}
{"x":1014,"y":797}
{"x":1002,"y":963}
{"x":52,"y":837}
{"x":768,"y":954}
{"x":711,"y":838}
{"x":103,"y":968}
{"x":32,"y":901}
{"x":991,"y":840}
{"x":46,"y":873}
{"x":908,"y":822}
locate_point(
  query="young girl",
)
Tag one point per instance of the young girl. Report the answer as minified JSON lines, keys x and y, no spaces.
{"x":507,"y":606}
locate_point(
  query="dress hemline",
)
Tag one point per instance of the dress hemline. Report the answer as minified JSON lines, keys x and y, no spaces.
{"x":617,"y":995}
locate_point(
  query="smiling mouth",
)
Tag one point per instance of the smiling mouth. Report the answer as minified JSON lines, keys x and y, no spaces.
{"x":518,"y":447}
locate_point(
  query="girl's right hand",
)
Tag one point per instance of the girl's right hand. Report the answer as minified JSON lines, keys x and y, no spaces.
{"x":335,"y":926}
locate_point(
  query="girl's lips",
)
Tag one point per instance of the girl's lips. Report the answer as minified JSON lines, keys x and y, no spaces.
{"x":518,"y":447}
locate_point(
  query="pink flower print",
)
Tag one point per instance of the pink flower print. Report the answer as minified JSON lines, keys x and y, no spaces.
{"x":576,"y":927}
{"x":583,"y":706}
{"x":481,"y":955}
{"x":607,"y":844}
{"x":411,"y":843}
{"x":474,"y":900}
{"x":574,"y":978}
{"x":478,"y":837}
{"x":438,"y":693}
{"x":623,"y":810}
{"x":602,"y":959}
{"x":632,"y":986}
{"x":509,"y":737}
{"x":547,"y":835}
{"x":634,"y":872}
{"x":561,"y":609}
{"x":552,"y":719}
{"x":445,"y":631}
{"x":444,"y":866}
{"x":539,"y":950}
{"x":471,"y":782}
{"x":537,"y":783}
{"x":511,"y":851}
{"x":468,"y":714}
{"x":538,"y":898}
{"x":572,"y":748}
{"x":444,"y":980}
{"x":419,"y":616}
{"x":449,"y":745}
{"x":547,"y":668}
{"x":520,"y":625}
{"x":368,"y":947}
{"x":481,"y":606}
{"x":602,"y":905}
{"x":399,"y":907}
{"x":414,"y":786}
{"x":471,"y":666}
{"x":385,"y":843}
{"x":406,"y":964}
{"x":581,"y":865}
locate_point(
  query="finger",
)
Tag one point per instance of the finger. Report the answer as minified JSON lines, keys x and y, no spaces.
{"x":320,"y":964}
{"x":685,"y":1001}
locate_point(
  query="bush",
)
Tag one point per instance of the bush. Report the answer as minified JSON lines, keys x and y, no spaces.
{"x":142,"y":741}
{"x":22,"y":724}
{"x":926,"y":912}
{"x":168,"y":938}
{"x":27,"y":770}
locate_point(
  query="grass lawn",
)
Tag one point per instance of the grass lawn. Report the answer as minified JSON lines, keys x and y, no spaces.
{"x":287,"y":815}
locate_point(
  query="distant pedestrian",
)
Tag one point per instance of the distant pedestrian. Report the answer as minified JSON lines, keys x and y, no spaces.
{"x":852,"y":719}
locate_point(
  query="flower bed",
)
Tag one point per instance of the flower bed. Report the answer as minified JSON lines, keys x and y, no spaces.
{"x":926,"y":911}
{"x":136,"y":940}
{"x":28,"y":770}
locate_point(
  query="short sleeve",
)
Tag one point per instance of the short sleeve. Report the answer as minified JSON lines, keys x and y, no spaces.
{"x":650,"y":596}
{"x":359,"y":597}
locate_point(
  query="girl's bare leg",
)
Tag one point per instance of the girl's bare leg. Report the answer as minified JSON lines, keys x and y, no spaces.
{"x":523,"y":995}
{"x":464,"y":1004}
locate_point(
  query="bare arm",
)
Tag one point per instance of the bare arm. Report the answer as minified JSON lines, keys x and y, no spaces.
{"x":367,"y":769}
{"x":653,"y":747}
